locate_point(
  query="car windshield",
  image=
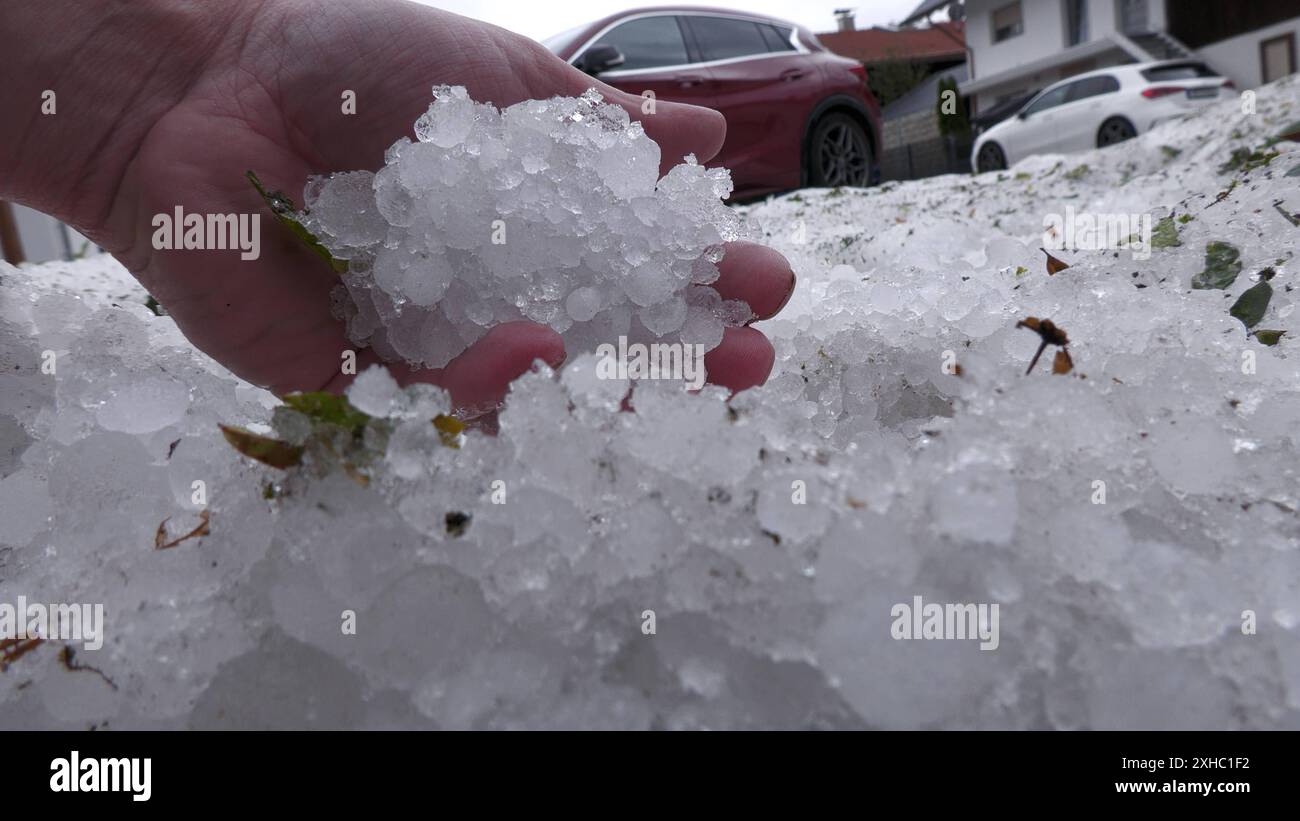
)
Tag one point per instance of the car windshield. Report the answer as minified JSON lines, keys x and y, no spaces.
{"x":559,"y":42}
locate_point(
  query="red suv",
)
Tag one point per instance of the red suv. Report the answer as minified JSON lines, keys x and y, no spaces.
{"x":796,"y":114}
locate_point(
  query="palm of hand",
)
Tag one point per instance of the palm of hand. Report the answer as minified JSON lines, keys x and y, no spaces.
{"x":271,"y":101}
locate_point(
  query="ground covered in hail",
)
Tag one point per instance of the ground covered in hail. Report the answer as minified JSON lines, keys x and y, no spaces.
{"x":1123,"y":520}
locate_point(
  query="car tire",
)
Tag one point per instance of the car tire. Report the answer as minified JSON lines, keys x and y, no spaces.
{"x":1114,"y":131}
{"x":839,"y":153}
{"x":991,"y":158}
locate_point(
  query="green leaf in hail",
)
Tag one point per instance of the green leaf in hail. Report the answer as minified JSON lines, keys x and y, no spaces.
{"x":1222,"y":264}
{"x":329,"y":408}
{"x":287,"y":213}
{"x":1252,"y":304}
{"x":264,"y":449}
{"x":1165,"y":234}
{"x":449,"y":429}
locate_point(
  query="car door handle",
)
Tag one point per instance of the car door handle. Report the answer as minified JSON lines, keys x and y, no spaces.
{"x":690,"y":81}
{"x":792,"y":74}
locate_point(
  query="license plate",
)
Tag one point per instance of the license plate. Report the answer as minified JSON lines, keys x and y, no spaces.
{"x":1202,"y":93}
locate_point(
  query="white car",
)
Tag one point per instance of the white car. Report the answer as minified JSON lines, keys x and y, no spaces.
{"x":1098,"y":108}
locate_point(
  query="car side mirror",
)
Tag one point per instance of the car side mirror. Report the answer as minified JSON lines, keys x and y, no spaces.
{"x":600,"y":58}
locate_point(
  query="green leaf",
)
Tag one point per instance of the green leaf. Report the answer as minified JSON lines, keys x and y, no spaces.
{"x":1252,"y":304}
{"x":1269,"y":337}
{"x":287,"y":213}
{"x":1165,"y":234}
{"x":152,"y":304}
{"x":328,"y":408}
{"x":264,"y":449}
{"x":1244,"y":159}
{"x":1222,"y":264}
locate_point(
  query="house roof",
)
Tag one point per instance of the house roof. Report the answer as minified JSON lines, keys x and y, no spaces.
{"x":877,"y":45}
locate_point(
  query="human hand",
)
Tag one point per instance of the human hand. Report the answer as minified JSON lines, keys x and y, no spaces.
{"x":265,"y":96}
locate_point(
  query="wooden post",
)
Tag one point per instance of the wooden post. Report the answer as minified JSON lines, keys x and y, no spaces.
{"x":11,"y":247}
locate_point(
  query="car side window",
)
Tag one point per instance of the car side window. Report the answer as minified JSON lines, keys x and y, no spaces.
{"x":1092,"y":87}
{"x":778,"y":39}
{"x":1050,"y":99}
{"x":647,"y":42}
{"x":722,"y":38}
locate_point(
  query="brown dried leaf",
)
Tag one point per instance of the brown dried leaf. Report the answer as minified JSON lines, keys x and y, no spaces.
{"x":1062,"y":363}
{"x":264,"y":449}
{"x":13,"y":649}
{"x":160,"y":537}
{"x":1054,"y":265}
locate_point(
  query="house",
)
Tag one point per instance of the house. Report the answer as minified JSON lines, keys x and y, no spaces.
{"x":1018,"y":46}
{"x":898,"y":59}
{"x":904,"y":68}
{"x":914,"y":144}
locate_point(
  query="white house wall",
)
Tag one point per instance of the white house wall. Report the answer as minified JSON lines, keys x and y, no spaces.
{"x":1238,"y":58}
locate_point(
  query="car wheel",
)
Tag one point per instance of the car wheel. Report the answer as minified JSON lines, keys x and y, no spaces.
{"x":840,"y":153}
{"x":991,"y":158}
{"x":1115,"y":130}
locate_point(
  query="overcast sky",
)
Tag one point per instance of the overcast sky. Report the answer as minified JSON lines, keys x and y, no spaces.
{"x":540,"y":19}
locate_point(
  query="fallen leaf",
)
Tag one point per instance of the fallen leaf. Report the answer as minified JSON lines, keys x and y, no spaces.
{"x":1048,"y":332}
{"x":1062,"y":363}
{"x":1269,"y":338}
{"x":13,"y":649}
{"x":160,"y":537}
{"x":1054,"y":265}
{"x":1222,"y":264}
{"x":264,"y":449}
{"x":449,"y":429}
{"x":330,"y":408}
{"x":1165,"y":234}
{"x":1252,"y":304}
{"x":287,"y":213}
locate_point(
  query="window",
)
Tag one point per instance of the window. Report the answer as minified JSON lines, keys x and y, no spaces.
{"x":1048,"y":99}
{"x":777,"y":38}
{"x":1092,"y":87}
{"x":721,"y":38}
{"x":1007,"y":23}
{"x":1277,"y":57}
{"x":647,"y":42}
{"x":1178,"y":71}
{"x":1076,"y":22}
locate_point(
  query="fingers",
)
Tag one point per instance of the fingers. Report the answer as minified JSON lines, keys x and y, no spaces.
{"x":743,"y":360}
{"x":678,"y":128}
{"x":756,"y":274}
{"x":479,"y":378}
